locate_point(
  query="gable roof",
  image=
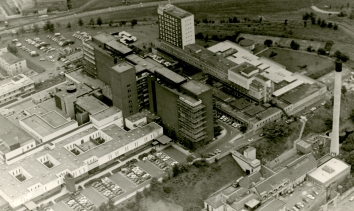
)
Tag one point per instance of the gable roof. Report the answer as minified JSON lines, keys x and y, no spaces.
{"x":292,"y":171}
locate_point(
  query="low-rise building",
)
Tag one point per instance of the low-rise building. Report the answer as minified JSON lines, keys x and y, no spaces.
{"x":333,"y":171}
{"x":47,"y":126}
{"x":14,"y":87}
{"x":286,"y":179}
{"x":12,"y":64}
{"x":34,"y":175}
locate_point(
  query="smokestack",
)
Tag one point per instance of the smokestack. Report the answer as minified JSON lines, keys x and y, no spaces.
{"x":336,"y":109}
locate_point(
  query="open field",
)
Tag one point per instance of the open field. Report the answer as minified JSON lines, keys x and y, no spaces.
{"x":100,"y":4}
{"x":294,"y":61}
{"x":331,"y":5}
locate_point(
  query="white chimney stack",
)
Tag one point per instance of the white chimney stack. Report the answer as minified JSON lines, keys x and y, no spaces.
{"x":336,"y":109}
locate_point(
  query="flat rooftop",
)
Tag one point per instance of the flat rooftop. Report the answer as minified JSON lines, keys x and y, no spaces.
{"x":91,"y":104}
{"x":40,"y":173}
{"x":140,"y":63}
{"x":174,"y":11}
{"x":103,"y":37}
{"x":10,"y":134}
{"x":120,"y":68}
{"x":195,"y":87}
{"x":10,"y":58}
{"x":169,"y":74}
{"x":329,"y":170}
{"x":121,"y":48}
{"x":48,"y":123}
{"x":145,"y":113}
{"x":14,"y":83}
{"x":106,"y":113}
{"x":300,"y":92}
{"x":81,"y":89}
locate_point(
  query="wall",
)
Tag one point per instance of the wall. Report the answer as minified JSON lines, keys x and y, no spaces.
{"x":22,"y":149}
{"x":168,"y":112}
{"x":129,"y":124}
{"x":187,"y":28}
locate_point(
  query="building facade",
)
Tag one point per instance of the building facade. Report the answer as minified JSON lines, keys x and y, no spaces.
{"x":176,"y":25}
{"x":18,"y":85}
{"x":12,"y":64}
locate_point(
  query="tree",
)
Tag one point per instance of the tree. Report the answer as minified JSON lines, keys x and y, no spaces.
{"x":206,"y":38}
{"x":166,"y":190}
{"x":36,"y":28}
{"x":69,"y":26}
{"x":199,"y":36}
{"x":134,"y":22}
{"x":21,"y":30}
{"x":190,"y":158}
{"x":323,"y":24}
{"x":335,"y":27}
{"x":275,"y":130}
{"x":154,"y":184}
{"x":215,"y":37}
{"x":319,"y":21}
{"x":243,"y":128}
{"x":294,"y":45}
{"x":321,"y":51}
{"x":12,"y":49}
{"x":138,"y":196}
{"x":92,"y":22}
{"x":99,"y":21}
{"x":344,"y":90}
{"x":268,"y":42}
{"x":110,"y":23}
{"x":329,"y":25}
{"x":313,"y":20}
{"x":235,"y":20}
{"x":286,"y":22}
{"x":305,"y":23}
{"x":80,"y":22}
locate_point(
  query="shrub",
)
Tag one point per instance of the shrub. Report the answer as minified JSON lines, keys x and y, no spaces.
{"x":321,"y":51}
{"x":272,"y":54}
{"x":167,"y":190}
{"x":152,"y":151}
{"x":190,"y":158}
{"x":201,"y":163}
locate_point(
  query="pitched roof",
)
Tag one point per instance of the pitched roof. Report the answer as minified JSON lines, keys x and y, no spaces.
{"x":292,"y":171}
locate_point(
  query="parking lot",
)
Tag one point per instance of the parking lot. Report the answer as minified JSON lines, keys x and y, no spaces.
{"x":300,"y":195}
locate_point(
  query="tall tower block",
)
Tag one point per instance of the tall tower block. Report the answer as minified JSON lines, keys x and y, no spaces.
{"x":336,"y":109}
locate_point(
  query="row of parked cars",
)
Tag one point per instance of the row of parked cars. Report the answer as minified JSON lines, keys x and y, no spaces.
{"x":228,"y":121}
{"x":108,"y":188}
{"x":161,"y":160}
{"x":61,"y":40}
{"x":84,"y":36}
{"x":298,"y":206}
{"x":160,"y":60}
{"x":136,"y":174}
{"x":80,"y":203}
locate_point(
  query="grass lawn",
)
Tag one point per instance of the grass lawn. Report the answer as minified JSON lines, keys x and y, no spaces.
{"x":175,"y":154}
{"x":94,"y":196}
{"x":316,"y":66}
{"x":49,"y":83}
{"x":189,"y":189}
{"x":149,"y":204}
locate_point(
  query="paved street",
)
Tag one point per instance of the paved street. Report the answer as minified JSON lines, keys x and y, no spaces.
{"x":344,"y":205}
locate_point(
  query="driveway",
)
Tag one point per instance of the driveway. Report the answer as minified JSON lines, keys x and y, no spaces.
{"x":323,"y":11}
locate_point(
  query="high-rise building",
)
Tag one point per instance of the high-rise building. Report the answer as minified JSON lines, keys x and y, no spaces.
{"x":124,"y":88}
{"x":176,"y":25}
{"x":185,"y":107}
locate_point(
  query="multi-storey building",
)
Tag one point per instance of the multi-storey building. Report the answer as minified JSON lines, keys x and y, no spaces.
{"x":10,"y":89}
{"x":188,"y":115}
{"x":176,"y":25}
{"x":124,"y":88}
{"x":12,"y":64}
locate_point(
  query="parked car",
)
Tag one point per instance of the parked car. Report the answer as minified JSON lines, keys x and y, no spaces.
{"x":351,"y":198}
{"x":250,"y":140}
{"x":310,"y":196}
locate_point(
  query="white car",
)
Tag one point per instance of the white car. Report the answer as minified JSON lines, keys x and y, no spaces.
{"x":310,"y":196}
{"x":18,"y":44}
{"x":351,"y":198}
{"x":250,"y":140}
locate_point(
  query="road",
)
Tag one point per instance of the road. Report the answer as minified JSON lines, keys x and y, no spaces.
{"x":344,"y":205}
{"x":324,"y":11}
{"x":233,"y":138}
{"x":73,"y":15}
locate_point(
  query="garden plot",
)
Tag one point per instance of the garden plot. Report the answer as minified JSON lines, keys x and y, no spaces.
{"x":108,"y":188}
{"x":78,"y":202}
{"x":161,"y":160}
{"x":135,"y":174}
